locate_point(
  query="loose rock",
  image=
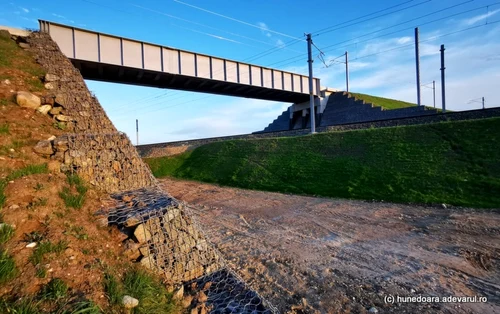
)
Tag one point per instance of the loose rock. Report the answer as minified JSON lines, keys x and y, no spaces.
{"x":31,"y":245}
{"x":51,"y":77}
{"x":102,"y":222}
{"x":43,"y":148}
{"x":55,"y":111}
{"x":44,"y":109}
{"x":131,"y":250}
{"x":61,"y":99}
{"x":49,"y":86}
{"x":129,"y":302}
{"x":63,"y":118}
{"x":28,"y":100}
{"x":24,"y":45}
{"x":373,"y":310}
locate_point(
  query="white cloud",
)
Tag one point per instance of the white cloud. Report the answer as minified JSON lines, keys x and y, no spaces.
{"x":404,"y":40}
{"x":478,"y":18}
{"x":264,"y":29}
{"x":25,"y":10}
{"x":280,"y":43}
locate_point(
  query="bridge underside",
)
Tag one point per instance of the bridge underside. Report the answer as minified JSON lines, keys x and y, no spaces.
{"x":126,"y":75}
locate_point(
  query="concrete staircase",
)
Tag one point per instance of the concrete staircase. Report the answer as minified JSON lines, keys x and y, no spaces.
{"x":342,"y":108}
{"x":281,"y":123}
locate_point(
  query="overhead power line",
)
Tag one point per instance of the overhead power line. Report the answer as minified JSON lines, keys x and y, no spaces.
{"x":298,"y":57}
{"x":236,"y":20}
{"x":428,"y":39}
{"x":373,"y":18}
{"x":414,"y":19}
{"x":203,"y":25}
{"x":363,"y":16}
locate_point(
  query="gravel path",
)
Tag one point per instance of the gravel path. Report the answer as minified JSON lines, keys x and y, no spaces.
{"x":320,"y":255}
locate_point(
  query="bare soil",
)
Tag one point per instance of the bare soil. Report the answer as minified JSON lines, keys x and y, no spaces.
{"x":33,"y":206}
{"x":320,"y":255}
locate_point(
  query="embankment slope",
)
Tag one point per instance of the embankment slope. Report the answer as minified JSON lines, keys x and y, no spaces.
{"x":454,"y":163}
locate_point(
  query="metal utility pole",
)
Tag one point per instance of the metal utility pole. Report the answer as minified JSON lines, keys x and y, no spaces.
{"x":443,"y":89}
{"x":434,"y":92}
{"x":417,"y":57}
{"x":483,"y":102}
{"x":137,"y":131}
{"x":311,"y":96}
{"x":347,"y":72}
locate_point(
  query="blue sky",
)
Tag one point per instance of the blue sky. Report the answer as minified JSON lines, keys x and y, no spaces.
{"x":241,"y":29}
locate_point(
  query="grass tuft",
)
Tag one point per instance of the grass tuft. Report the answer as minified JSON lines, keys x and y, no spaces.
{"x":152,"y":295}
{"x":54,"y":290}
{"x":8,"y":268}
{"x":46,"y":247}
{"x":23,"y":306}
{"x":142,"y":285}
{"x":113,"y":289}
{"x":6,"y":232}
{"x":4,"y":128}
{"x":71,"y":199}
{"x":83,"y":307}
{"x":28,"y":170}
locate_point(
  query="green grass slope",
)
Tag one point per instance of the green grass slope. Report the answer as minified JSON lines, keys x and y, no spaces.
{"x":383,"y":102}
{"x":454,"y":163}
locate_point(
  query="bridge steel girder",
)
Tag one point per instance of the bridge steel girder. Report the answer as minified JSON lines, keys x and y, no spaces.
{"x":116,"y":59}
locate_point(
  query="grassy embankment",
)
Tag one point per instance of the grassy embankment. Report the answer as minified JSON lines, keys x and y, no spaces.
{"x":455,"y":163}
{"x":387,"y":103}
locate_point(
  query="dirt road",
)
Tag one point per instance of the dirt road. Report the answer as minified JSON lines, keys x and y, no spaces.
{"x":319,"y":255}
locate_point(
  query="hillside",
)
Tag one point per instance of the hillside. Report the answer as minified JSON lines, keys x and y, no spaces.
{"x":56,"y":254}
{"x":387,"y":103}
{"x":453,"y":163}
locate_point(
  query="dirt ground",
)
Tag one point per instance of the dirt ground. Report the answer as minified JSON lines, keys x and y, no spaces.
{"x":320,"y":255}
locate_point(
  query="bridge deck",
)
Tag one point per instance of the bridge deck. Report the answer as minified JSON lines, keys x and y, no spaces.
{"x":109,"y":58}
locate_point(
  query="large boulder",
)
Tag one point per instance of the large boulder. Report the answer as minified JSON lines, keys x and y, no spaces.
{"x":28,"y":100}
